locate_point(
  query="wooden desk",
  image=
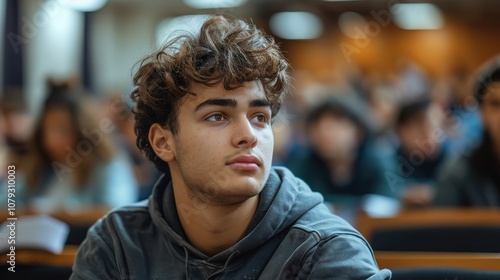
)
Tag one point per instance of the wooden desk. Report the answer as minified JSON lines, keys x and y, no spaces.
{"x":434,"y":259}
{"x":39,"y":257}
{"x":83,"y":216}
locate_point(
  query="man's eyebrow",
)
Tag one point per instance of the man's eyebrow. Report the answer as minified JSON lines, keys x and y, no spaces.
{"x":229,"y":102}
{"x":225,"y":102}
{"x":260,"y":103}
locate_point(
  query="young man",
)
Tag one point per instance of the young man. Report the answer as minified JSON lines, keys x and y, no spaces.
{"x":204,"y":109}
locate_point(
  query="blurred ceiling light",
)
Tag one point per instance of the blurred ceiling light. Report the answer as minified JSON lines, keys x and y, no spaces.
{"x":181,"y":25}
{"x":84,"y":5}
{"x":296,"y":25}
{"x":207,"y":4}
{"x":349,"y":22}
{"x":417,"y":16}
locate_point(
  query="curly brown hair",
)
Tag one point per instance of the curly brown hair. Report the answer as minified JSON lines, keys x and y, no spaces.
{"x":228,"y":52}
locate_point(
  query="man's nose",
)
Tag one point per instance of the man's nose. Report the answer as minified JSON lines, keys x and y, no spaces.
{"x":244,"y":135}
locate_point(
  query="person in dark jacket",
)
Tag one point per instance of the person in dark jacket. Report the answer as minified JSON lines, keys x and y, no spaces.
{"x":421,"y":152}
{"x":204,"y":109}
{"x":341,"y":162}
{"x":473,"y":178}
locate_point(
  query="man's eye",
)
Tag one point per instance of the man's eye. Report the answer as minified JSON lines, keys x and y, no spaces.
{"x":261,"y":118}
{"x":217,"y":117}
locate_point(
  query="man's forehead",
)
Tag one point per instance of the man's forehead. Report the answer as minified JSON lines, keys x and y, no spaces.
{"x":245,"y":93}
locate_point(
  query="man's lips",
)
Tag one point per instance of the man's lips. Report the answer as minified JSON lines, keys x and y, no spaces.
{"x":245,"y":162}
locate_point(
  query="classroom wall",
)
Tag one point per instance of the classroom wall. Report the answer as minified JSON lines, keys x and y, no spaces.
{"x":439,"y":52}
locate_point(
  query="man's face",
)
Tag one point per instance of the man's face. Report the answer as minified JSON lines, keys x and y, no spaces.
{"x":224,"y":146}
{"x":491,"y":111}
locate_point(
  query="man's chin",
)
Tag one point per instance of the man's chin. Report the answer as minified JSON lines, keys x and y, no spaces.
{"x":241,"y":188}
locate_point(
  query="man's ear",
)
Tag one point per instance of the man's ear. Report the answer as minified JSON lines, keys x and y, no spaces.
{"x":162,"y":142}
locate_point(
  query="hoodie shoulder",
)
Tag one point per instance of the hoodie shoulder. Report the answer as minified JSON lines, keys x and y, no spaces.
{"x":101,"y":255}
{"x":334,"y":246}
{"x":311,"y":214}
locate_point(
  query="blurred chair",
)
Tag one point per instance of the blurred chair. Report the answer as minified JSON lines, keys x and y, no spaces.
{"x":443,"y":274}
{"x":434,"y":230}
{"x":40,"y":265}
{"x":438,"y":239}
{"x":39,"y":272}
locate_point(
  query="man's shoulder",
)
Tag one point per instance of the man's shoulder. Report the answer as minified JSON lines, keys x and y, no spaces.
{"x":318,"y":219}
{"x":137,"y":208}
{"x":330,"y":246}
{"x":324,"y":225}
{"x":129,"y":216}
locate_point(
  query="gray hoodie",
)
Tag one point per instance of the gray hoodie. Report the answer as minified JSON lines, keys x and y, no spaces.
{"x":292,"y":236}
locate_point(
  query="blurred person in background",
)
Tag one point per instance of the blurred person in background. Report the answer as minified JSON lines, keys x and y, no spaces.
{"x":411,"y":79}
{"x":71,"y":164}
{"x":384,"y":105}
{"x":289,"y":127}
{"x":473,"y":177}
{"x":463,"y":121}
{"x":417,"y":160}
{"x":146,"y":174}
{"x":340,"y":163}
{"x":17,"y":125}
{"x":4,"y":162}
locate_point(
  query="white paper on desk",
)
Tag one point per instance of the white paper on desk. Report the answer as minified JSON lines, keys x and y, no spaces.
{"x":380,"y":206}
{"x":36,"y":232}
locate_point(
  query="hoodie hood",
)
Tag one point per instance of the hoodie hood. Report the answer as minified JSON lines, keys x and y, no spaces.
{"x":283,"y":200}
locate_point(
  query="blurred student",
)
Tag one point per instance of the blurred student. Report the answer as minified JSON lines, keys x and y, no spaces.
{"x":464,"y":125}
{"x":421,"y":152}
{"x":17,"y":125}
{"x":4,"y":162}
{"x":384,"y":106}
{"x":341,"y":162}
{"x":473,"y":178}
{"x":145,"y":172}
{"x":71,"y":164}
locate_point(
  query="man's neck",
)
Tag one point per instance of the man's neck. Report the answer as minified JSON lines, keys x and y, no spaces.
{"x":213,"y":228}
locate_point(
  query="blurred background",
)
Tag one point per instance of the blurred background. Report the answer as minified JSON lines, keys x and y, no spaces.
{"x":382,"y":104}
{"x":382,"y":92}
{"x":98,"y":42}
